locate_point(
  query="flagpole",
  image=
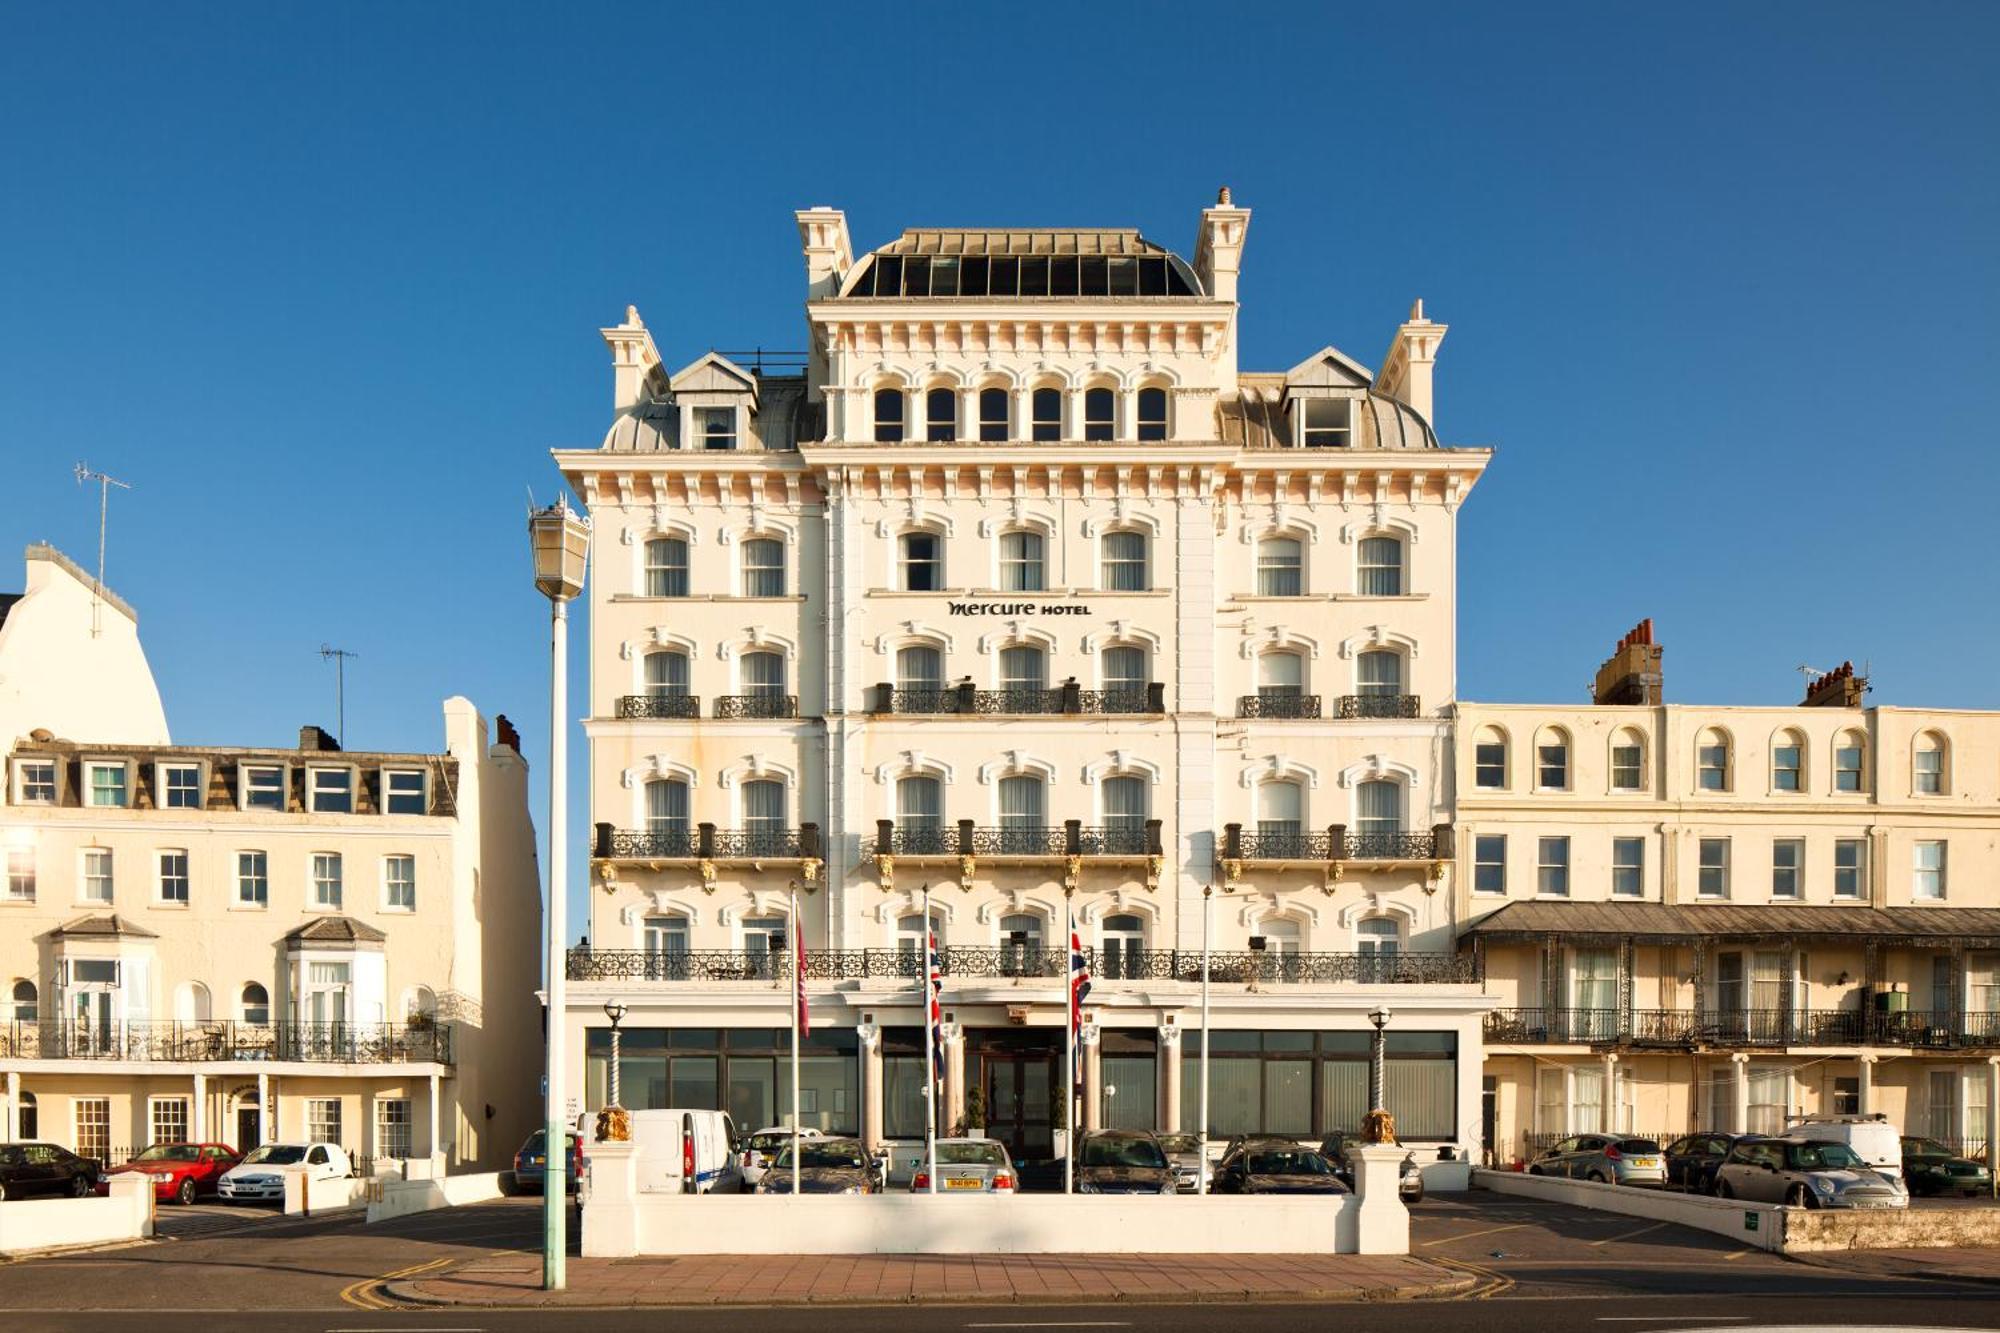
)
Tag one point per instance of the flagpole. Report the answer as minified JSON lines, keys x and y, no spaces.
{"x":1201,"y":1130}
{"x":930,"y":1046}
{"x":798,"y":994}
{"x":1069,"y":1045}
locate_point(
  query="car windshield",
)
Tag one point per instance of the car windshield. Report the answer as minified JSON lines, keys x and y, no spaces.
{"x":769,"y":1143}
{"x":276,"y":1154}
{"x":971,"y":1154}
{"x":838,"y":1156}
{"x":1637,"y":1145}
{"x":1822,"y":1157}
{"x":1299,"y":1163}
{"x":1179,"y":1143}
{"x":1122,"y":1152}
{"x":170,"y":1152}
{"x":1927,"y":1148}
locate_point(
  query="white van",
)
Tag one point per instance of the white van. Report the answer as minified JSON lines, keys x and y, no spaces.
{"x":1874,"y":1140}
{"x":686,"y":1152}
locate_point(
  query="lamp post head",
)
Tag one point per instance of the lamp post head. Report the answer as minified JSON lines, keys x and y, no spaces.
{"x":1379,"y":1016}
{"x":560,"y":539}
{"x":614,"y":1011}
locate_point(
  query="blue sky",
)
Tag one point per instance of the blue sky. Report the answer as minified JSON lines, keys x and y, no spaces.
{"x":323,"y":282}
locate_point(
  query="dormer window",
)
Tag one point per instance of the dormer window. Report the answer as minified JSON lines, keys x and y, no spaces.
{"x":263,"y":787}
{"x":1328,"y":424}
{"x":35,"y":782}
{"x":403,"y":791}
{"x":718,"y":428}
{"x":330,"y":791}
{"x":107,"y":784}
{"x":180,"y":786}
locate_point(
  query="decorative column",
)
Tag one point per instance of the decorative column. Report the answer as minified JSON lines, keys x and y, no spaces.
{"x":954,"y":1077}
{"x":198,"y":1122}
{"x":1607,"y":1110}
{"x":1170,"y":1076}
{"x":1739,"y":1107}
{"x":871,"y":1083}
{"x":436,"y":1145}
{"x":267,"y":1124}
{"x":1864,"y":1098}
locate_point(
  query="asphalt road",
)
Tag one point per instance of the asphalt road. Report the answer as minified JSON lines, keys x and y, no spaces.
{"x":1539,"y":1267}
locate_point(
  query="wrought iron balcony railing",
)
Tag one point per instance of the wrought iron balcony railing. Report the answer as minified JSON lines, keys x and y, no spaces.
{"x":705,"y":842}
{"x":1285,"y":706}
{"x":1745,"y":1027}
{"x":1027,"y":961}
{"x":1071,"y":838}
{"x":196,"y":1040}
{"x":1335,"y":844}
{"x":757,"y":705}
{"x":659,"y":705}
{"x":1068,"y":699}
{"x":1378,"y":705}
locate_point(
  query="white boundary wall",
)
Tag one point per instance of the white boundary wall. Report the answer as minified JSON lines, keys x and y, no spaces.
{"x":28,"y":1225}
{"x":1757,"y":1225}
{"x":395,"y":1198}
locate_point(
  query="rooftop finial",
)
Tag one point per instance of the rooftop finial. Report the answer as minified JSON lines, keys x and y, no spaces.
{"x":1417,"y":308}
{"x":631,"y":317}
{"x":1222,"y":197}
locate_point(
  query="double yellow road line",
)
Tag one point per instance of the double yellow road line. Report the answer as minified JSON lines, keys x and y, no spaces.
{"x":1492,"y":1284}
{"x":367,"y":1293}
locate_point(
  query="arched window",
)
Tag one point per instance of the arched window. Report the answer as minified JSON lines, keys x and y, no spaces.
{"x":1124,"y":672}
{"x":1930,"y":775}
{"x":764,"y":817}
{"x":941,"y":416}
{"x":1125,"y":562}
{"x":1023,"y":814}
{"x":1628,"y":760}
{"x":764,"y":676}
{"x":1125,"y":815}
{"x":26,"y":1002}
{"x":254,"y":1004}
{"x":763,"y":567}
{"x":1152,"y":413}
{"x":419,"y":1002}
{"x":1381,"y":571}
{"x":1021,"y":945}
{"x":1489,"y":759}
{"x":1849,"y":753}
{"x":1378,"y":808}
{"x":1281,"y":675}
{"x":1280,"y":567}
{"x":920,"y":815}
{"x":1281,"y":935}
{"x":1124,"y":954}
{"x":923,"y":562}
{"x":667,"y":674}
{"x":1377,"y":937}
{"x":1712,"y":760}
{"x":919,"y":667}
{"x":1021,"y":562}
{"x":667,"y":815}
{"x":1099,"y":409}
{"x":992,"y":415}
{"x":1281,"y":820}
{"x":1024,"y":675}
{"x":27,"y":1116}
{"x":1379,"y":675}
{"x":666,"y":567}
{"x":1552,"y":759}
{"x":1788,"y":761}
{"x":888,"y":416}
{"x":1047,"y":407}
{"x":191,"y":1002}
{"x":910,"y":937}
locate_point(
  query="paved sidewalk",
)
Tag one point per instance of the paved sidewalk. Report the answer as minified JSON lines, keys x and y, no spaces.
{"x":1954,"y":1263}
{"x":869,"y":1279}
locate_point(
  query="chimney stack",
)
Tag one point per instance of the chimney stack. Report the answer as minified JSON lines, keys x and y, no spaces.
{"x":1632,"y":675}
{"x":634,"y":360}
{"x":1839,"y":688}
{"x":317,"y":739}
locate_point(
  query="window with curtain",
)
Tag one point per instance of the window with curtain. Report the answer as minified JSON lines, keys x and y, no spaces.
{"x":941,"y":416}
{"x":920,"y":813}
{"x":993,"y":415}
{"x":1712,"y":762}
{"x":1377,"y":937}
{"x":1281,"y":676}
{"x":1125,"y":562}
{"x":1628,"y":757}
{"x":1787,"y":763}
{"x":1767,"y":993}
{"x":1022,"y":567}
{"x":1927,"y":875}
{"x":764,"y":816}
{"x":764,"y":675}
{"x":1099,"y":414}
{"x":1552,"y":867}
{"x":718,"y":428}
{"x":1280,"y":818}
{"x":1125,"y":813}
{"x":1124,"y":949}
{"x":1024,"y":674}
{"x":1770,"y":1100}
{"x":1265,"y":1083}
{"x":1379,"y":674}
{"x":665,"y":939}
{"x":1280,"y":567}
{"x":1152,"y":414}
{"x":1489,"y":761}
{"x":1628,"y":867}
{"x":1552,"y":762}
{"x":667,"y":675}
{"x":1929,"y":766}
{"x":763,"y":567}
{"x":922,"y":562}
{"x":919,"y":667}
{"x":1129,"y":1079}
{"x":253,"y":879}
{"x":666,"y":567}
{"x":1847,"y":756}
{"x":666,"y":806}
{"x":1047,"y":407}
{"x":888,"y":416}
{"x":1379,"y":807}
{"x":1021,"y":947}
{"x":255,"y":1004}
{"x":910,"y":933}
{"x":1712,"y":868}
{"x":1022,"y":814}
{"x":1593,"y":993}
{"x":1124,"y":669}
{"x":1381,"y":567}
{"x":764,"y":936}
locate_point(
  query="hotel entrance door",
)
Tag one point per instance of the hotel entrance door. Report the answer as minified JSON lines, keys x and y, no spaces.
{"x":1018,"y":1071}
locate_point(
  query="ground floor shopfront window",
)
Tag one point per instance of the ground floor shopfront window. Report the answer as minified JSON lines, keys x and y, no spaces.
{"x":1305,"y":1084}
{"x":744,"y":1071}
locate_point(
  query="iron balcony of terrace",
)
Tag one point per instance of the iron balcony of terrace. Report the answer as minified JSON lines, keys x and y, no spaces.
{"x":659,"y":705}
{"x":420,"y":1040}
{"x":706,"y":842}
{"x":757,"y":705}
{"x":1335,"y":844}
{"x":1287,"y":707}
{"x":1070,"y":838}
{"x":1378,"y":706}
{"x":1068,"y":699}
{"x":1024,"y":961}
{"x":1689,"y":1029}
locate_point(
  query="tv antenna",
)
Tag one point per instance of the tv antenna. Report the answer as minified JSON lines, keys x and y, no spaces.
{"x":338,"y":656}
{"x":104,"y":485}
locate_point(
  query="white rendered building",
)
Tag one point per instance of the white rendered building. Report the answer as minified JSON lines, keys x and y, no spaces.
{"x":1015,"y":585}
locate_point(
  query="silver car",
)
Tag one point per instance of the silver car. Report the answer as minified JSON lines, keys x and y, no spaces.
{"x":968,"y":1166}
{"x":1189,"y":1163}
{"x":1805,"y":1174}
{"x":1609,"y":1159}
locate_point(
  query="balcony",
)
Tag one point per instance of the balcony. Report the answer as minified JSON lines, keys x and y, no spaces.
{"x":706,"y":842}
{"x":1071,"y":838}
{"x":757,"y":705}
{"x":659,"y":705}
{"x":1688,"y":1028}
{"x":1068,"y":699}
{"x":1026,"y":961}
{"x":1335,"y":844}
{"x":1377,"y":706}
{"x":209,"y":1040}
{"x":1287,"y":707}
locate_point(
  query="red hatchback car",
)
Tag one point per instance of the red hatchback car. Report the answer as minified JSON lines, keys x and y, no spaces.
{"x":181,"y":1172}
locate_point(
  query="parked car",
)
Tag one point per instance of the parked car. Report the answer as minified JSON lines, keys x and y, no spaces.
{"x":181,"y":1172}
{"x":1122,"y":1161}
{"x":531,"y":1166}
{"x":826,"y":1166}
{"x":44,"y":1168}
{"x":1275,"y":1168}
{"x":1805,"y":1173}
{"x":968,"y":1166}
{"x":1874,"y":1139}
{"x":1409,"y":1179}
{"x":762,"y":1147}
{"x":1608,"y":1159}
{"x":260,"y":1176}
{"x":686,"y":1151}
{"x":1693,"y":1158}
{"x":1931,"y":1168}
{"x":1190,"y":1164}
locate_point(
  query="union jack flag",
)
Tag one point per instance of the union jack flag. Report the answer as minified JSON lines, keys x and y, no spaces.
{"x":1079,"y":989}
{"x":799,"y":980}
{"x":935,"y":971}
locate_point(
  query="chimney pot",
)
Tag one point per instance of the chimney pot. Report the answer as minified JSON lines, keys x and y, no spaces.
{"x":1632,"y":674}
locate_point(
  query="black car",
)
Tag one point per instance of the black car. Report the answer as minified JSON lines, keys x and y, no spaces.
{"x":1692,"y":1159}
{"x":1409,"y":1176}
{"x":43,"y":1168}
{"x":826,"y":1166}
{"x":1929,"y":1167}
{"x":1276,"y":1168}
{"x":1122,"y":1161}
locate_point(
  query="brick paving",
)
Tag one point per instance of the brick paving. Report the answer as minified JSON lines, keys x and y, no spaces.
{"x":514,"y":1279}
{"x":1964,"y":1263}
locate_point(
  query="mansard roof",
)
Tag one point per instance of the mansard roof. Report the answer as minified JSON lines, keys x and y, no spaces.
{"x":1030,"y":263}
{"x":1737,"y":920}
{"x":1255,"y":418}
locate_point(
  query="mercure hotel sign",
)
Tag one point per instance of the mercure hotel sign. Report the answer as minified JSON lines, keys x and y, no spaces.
{"x":1018,"y":608}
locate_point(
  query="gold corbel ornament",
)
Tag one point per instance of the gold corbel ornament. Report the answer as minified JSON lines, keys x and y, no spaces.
{"x":1232,"y":873}
{"x":607,"y":876}
{"x":1154,"y":865}
{"x":809,"y":869}
{"x":1072,"y":873}
{"x":885,"y":871}
{"x":707,"y":868}
{"x":1436,"y":877}
{"x":966,"y":865}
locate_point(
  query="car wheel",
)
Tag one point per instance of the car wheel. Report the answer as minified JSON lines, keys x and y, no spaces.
{"x":3,"y":1191}
{"x":1798,"y":1196}
{"x":185,"y":1194}
{"x":1722,"y":1190}
{"x":81,"y":1187}
{"x":1534,"y":1170}
{"x":1597,"y":1178}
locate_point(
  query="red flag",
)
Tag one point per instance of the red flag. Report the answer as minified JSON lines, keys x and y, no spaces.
{"x":799,"y":981}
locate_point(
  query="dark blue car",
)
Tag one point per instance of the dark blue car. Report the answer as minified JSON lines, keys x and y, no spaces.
{"x":1692,"y":1160}
{"x":531,"y":1163}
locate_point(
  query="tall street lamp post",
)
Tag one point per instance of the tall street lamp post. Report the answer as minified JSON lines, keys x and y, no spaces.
{"x":1379,"y":1016}
{"x":560,"y":540}
{"x":616,"y":1013}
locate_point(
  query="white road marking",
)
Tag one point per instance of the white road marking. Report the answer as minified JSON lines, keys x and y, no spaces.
{"x":1671,"y":1318}
{"x":1100,"y":1323}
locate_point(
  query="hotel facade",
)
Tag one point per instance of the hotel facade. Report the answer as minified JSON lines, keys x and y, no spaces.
{"x":1016,"y":587}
